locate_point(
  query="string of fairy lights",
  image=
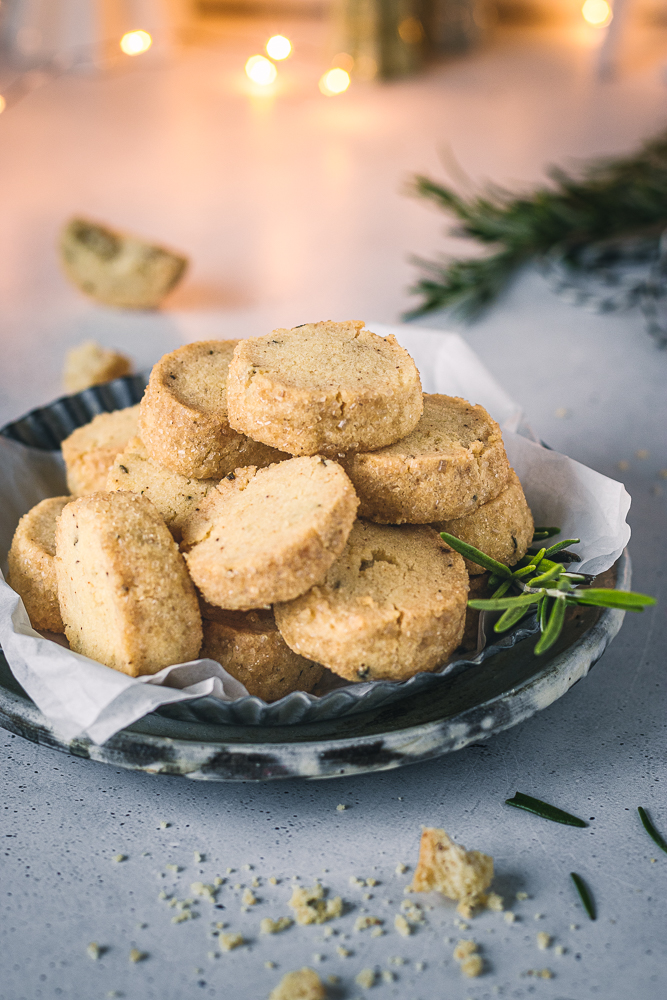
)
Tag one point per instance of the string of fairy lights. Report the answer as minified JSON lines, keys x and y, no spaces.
{"x":262,"y":70}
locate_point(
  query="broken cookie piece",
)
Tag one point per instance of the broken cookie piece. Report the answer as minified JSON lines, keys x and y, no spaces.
{"x":91,"y":364}
{"x":117,"y":269}
{"x":305,"y":984}
{"x":449,"y":868}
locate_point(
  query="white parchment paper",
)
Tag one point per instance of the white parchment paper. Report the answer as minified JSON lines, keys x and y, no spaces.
{"x":80,"y":696}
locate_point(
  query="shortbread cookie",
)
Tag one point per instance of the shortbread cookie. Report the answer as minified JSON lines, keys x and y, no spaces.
{"x":268,"y":535}
{"x":175,"y":496}
{"x":32,"y":568}
{"x":125,"y":595}
{"x":89,"y":452}
{"x":91,"y":364}
{"x":116,"y":268}
{"x":453,"y":462}
{"x":392,"y":605}
{"x":502,"y":528}
{"x":250,"y":647}
{"x":183,"y":419}
{"x":323,"y":388}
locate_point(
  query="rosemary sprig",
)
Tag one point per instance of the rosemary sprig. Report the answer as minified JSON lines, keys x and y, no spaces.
{"x":543,"y":809}
{"x":609,"y":199}
{"x":651,"y":830}
{"x":584,"y":894}
{"x":540,"y":582}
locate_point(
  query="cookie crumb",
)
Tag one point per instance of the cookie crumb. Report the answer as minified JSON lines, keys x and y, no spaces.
{"x":273,"y":880}
{"x":304,"y":985}
{"x":341,"y":808}
{"x":388,"y":976}
{"x":269,"y":965}
{"x":401,"y":925}
{"x":199,"y":857}
{"x":137,"y":956}
{"x":164,"y":825}
{"x":472,"y":966}
{"x":377,"y":932}
{"x":248,"y":898}
{"x":342,"y":951}
{"x":464,"y":949}
{"x":623,"y":465}
{"x":509,"y":917}
{"x":365,"y":978}
{"x":310,"y":907}
{"x":559,"y":949}
{"x":400,"y":868}
{"x":93,"y":950}
{"x":361,"y":923}
{"x":543,"y":940}
{"x":269,"y":926}
{"x":521,"y":896}
{"x":230,"y":941}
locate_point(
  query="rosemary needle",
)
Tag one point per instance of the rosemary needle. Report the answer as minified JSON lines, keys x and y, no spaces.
{"x":584,"y":894}
{"x":651,"y":830}
{"x":543,"y":809}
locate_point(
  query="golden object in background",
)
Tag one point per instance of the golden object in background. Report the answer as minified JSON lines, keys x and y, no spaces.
{"x":118,"y":269}
{"x":133,"y":43}
{"x":383,"y":37}
{"x":91,"y":364}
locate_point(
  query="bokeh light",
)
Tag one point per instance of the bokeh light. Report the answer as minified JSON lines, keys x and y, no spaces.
{"x":135,"y":42}
{"x":3,"y":104}
{"x":343,"y":60}
{"x":261,"y":71}
{"x":279,"y":47}
{"x":335,"y":81}
{"x":597,"y":13}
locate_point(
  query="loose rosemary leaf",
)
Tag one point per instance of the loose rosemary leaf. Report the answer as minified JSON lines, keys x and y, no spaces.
{"x":475,"y":555}
{"x":584,"y":895}
{"x":626,"y":600}
{"x":651,"y":830}
{"x":543,"y":809}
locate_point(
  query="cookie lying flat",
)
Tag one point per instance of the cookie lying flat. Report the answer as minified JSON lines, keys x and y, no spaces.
{"x":393,"y":604}
{"x":32,"y":569}
{"x":89,"y":452}
{"x":453,"y":462}
{"x":183,"y":418}
{"x":502,"y":528}
{"x":250,"y":647}
{"x":268,"y":535}
{"x":175,"y":496}
{"x":117,"y":268}
{"x":125,"y":595}
{"x":91,"y":364}
{"x":323,"y":388}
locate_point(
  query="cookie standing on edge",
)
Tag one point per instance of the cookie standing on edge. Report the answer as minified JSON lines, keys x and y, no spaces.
{"x":502,"y":528}
{"x":453,"y":462}
{"x":323,"y":388}
{"x":125,"y":595}
{"x":268,"y":535}
{"x":89,"y":451}
{"x":175,"y":496}
{"x":250,"y":647}
{"x":32,"y":568}
{"x":183,"y":415}
{"x":392,"y":605}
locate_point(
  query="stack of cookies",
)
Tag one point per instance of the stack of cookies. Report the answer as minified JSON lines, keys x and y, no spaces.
{"x":275,"y":504}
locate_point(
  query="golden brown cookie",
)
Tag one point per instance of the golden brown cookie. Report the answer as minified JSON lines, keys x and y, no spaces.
{"x":183,"y":418}
{"x":125,"y":595}
{"x":392,"y":605}
{"x":175,"y":496}
{"x":32,"y":569}
{"x":453,"y":462}
{"x":116,"y":268}
{"x":91,"y":364}
{"x":250,"y":647}
{"x":323,"y":388}
{"x":502,"y":528}
{"x":89,"y":452}
{"x":268,"y":535}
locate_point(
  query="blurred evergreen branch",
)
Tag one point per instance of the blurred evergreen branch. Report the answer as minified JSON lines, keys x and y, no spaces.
{"x":611,"y":199}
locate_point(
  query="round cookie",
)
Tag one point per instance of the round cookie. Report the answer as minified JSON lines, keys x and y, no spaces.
{"x":125,"y":595}
{"x":392,"y":605}
{"x":174,"y":495}
{"x":250,"y":647}
{"x":268,"y":535}
{"x":32,"y":568}
{"x":89,"y":451}
{"x":323,"y":388}
{"x":183,"y":415}
{"x":453,"y":462}
{"x":502,"y":528}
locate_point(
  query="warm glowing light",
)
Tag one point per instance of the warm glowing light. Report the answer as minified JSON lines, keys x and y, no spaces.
{"x":411,"y":31}
{"x":261,"y":71}
{"x":335,"y":81}
{"x":343,"y":60}
{"x":135,"y":42}
{"x":597,"y":12}
{"x":3,"y":104}
{"x":279,"y":47}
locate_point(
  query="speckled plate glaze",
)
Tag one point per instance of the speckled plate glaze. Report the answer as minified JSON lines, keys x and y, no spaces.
{"x":468,"y":707}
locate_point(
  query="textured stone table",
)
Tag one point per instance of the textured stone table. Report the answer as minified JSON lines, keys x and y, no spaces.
{"x":292,"y":210}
